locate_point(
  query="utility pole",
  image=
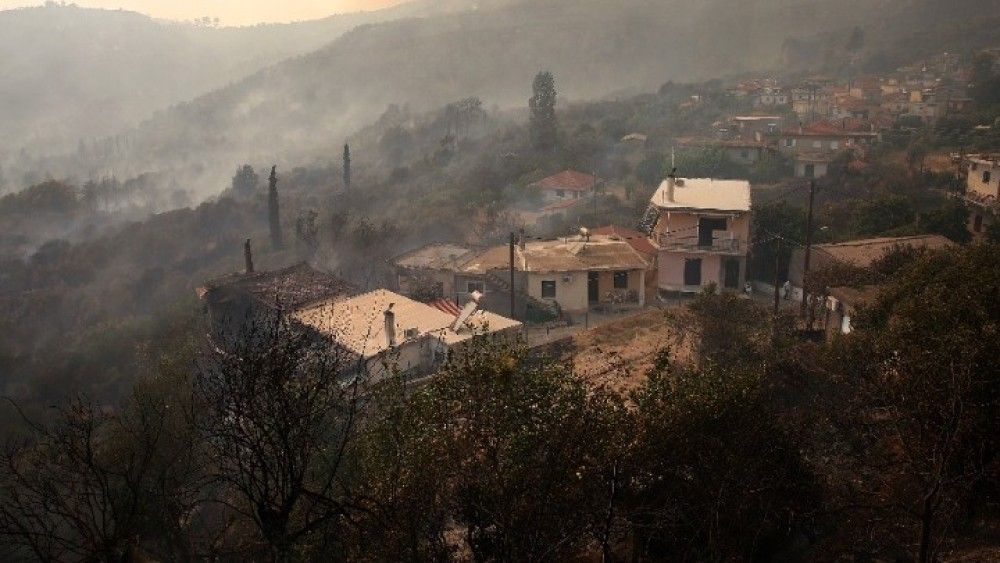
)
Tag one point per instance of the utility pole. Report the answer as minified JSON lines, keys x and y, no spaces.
{"x":808,"y":252}
{"x":777,"y":273}
{"x":596,"y":222}
{"x":513,"y":243}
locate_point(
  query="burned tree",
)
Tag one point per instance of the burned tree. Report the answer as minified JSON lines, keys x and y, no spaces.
{"x":102,"y":486}
{"x":273,"y":213}
{"x":281,"y":412}
{"x":347,"y":167}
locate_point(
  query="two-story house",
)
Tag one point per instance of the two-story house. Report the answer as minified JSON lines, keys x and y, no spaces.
{"x":701,"y":230}
{"x":813,"y":147}
{"x":982,"y":192}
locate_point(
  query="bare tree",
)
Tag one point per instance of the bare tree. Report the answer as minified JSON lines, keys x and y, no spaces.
{"x":281,"y":410}
{"x":95,"y":484}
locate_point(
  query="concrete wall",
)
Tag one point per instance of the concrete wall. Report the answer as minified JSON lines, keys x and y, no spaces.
{"x":671,"y":271}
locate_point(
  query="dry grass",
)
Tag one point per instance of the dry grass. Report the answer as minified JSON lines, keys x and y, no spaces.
{"x":620,"y":354}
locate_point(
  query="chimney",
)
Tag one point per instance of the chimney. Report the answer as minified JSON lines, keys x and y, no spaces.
{"x":522,"y":239}
{"x":248,"y":256}
{"x":390,"y":327}
{"x":671,"y":183}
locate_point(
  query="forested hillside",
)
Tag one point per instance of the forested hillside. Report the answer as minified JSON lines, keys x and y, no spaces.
{"x":300,"y":111}
{"x":72,"y":73}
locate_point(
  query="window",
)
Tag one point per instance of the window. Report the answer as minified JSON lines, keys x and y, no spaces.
{"x":621,"y":280}
{"x":975,"y":166}
{"x":560,"y":193}
{"x":472,"y":287}
{"x":986,"y":176}
{"x":549,"y":289}
{"x":977,"y":225}
{"x":744,"y":154}
{"x":789,"y":142}
{"x":817,"y":144}
{"x":834,"y":145}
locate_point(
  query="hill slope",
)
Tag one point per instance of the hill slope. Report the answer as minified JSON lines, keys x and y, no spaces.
{"x":69,"y":73}
{"x":303,"y":108}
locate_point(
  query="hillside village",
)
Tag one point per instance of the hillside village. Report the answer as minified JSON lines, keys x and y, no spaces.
{"x":745,"y":319}
{"x":694,"y":233}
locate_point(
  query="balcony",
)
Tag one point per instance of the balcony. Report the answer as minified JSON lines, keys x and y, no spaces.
{"x":723,"y":242}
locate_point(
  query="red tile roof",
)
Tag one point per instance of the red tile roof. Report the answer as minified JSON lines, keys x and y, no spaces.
{"x":446,"y":306}
{"x":568,"y":180}
{"x":825,"y":128}
{"x":638,"y":241}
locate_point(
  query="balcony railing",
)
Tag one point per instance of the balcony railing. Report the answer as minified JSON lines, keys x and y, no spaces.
{"x":723,"y":241}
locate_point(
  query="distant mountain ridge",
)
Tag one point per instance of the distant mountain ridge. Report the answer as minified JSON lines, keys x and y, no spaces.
{"x":593,"y":47}
{"x":70,"y":73}
{"x":301,"y":109}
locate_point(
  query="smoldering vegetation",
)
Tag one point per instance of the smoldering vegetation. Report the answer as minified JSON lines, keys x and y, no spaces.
{"x":298,"y":111}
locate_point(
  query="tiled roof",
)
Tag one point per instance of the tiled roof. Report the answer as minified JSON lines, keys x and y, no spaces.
{"x":435,"y":256}
{"x":446,"y":306}
{"x":358,"y":323}
{"x":561,"y":255}
{"x":290,"y":288}
{"x":824,"y":128}
{"x":578,"y":255}
{"x":864,"y":252}
{"x":568,"y":180}
{"x":635,"y":239}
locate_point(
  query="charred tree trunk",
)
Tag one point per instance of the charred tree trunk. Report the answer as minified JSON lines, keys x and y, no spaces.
{"x":274,"y":214}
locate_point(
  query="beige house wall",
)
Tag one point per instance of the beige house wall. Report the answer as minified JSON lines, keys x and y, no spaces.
{"x":636,"y":283}
{"x":975,"y":184}
{"x":571,"y":295}
{"x":671,"y":272}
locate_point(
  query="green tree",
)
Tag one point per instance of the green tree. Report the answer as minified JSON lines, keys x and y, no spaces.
{"x":652,"y":169}
{"x":716,"y":478}
{"x":544,"y":128}
{"x":517,"y":454}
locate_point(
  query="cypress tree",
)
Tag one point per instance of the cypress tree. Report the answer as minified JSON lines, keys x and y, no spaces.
{"x":543,"y":112}
{"x":274,"y":215}
{"x":347,"y":167}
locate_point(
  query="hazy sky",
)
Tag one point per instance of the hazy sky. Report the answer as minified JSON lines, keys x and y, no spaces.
{"x":231,"y":12}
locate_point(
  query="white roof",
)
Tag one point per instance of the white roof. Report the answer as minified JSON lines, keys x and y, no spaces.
{"x":706,"y":194}
{"x":358,"y":324}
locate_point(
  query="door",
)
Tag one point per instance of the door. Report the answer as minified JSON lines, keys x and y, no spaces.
{"x":707,"y":228}
{"x":593,"y":287}
{"x":692,"y":271}
{"x":732,"y":273}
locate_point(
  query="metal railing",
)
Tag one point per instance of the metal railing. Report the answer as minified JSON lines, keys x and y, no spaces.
{"x":723,"y":241}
